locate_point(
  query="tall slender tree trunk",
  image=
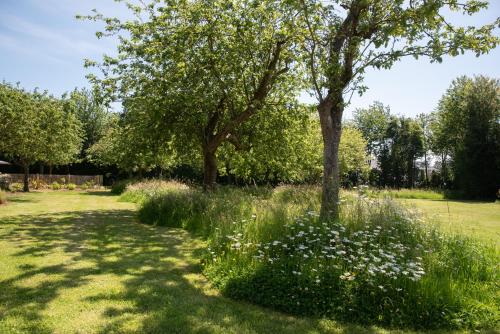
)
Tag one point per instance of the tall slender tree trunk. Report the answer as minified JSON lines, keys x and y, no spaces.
{"x":209,"y":168}
{"x":26,"y":187}
{"x":330,"y":114}
{"x":426,"y":177}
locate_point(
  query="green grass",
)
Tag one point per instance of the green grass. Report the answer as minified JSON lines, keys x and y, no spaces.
{"x":474,"y":218}
{"x":412,"y":193}
{"x":77,"y":262}
{"x":236,"y":220}
{"x":3,"y":197}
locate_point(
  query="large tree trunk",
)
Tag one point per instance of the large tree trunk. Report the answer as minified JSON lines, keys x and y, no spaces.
{"x":330,"y":114}
{"x":209,"y":169}
{"x":26,"y":187}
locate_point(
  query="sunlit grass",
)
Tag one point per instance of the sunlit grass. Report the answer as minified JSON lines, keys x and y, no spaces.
{"x":75,"y":262}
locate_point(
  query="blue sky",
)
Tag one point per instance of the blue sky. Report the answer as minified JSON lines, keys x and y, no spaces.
{"x":43,"y":45}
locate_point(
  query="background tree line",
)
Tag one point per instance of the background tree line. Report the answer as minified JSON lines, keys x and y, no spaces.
{"x":460,"y":137}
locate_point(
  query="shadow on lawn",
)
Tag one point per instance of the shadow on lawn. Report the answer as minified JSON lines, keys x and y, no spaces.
{"x":105,"y":193}
{"x":160,"y":279}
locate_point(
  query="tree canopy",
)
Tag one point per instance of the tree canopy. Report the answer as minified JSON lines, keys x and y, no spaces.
{"x":347,"y":37}
{"x":467,"y":129}
{"x":36,"y":127}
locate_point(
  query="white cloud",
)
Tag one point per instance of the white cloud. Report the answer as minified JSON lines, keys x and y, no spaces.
{"x":41,"y":38}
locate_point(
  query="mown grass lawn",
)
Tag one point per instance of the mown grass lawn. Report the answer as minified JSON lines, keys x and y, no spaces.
{"x":480,"y":219}
{"x":78,"y":262}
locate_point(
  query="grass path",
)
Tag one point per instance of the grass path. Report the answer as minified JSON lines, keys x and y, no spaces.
{"x":74,"y":262}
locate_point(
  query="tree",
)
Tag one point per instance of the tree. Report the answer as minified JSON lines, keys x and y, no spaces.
{"x":203,"y":68}
{"x":129,"y":143}
{"x":91,"y":113}
{"x":425,"y":121}
{"x":62,"y":131}
{"x":347,"y":37}
{"x":353,"y":160}
{"x":373,"y":123}
{"x":468,"y":126}
{"x":276,"y":146}
{"x":403,"y":144}
{"x":35,"y":127}
{"x":19,"y":129}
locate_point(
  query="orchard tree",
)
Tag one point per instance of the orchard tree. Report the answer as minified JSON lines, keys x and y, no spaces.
{"x":131,"y":146}
{"x":35,"y":127}
{"x":276,"y":146}
{"x":20,"y":133}
{"x":203,"y":68}
{"x":346,"y":37}
{"x":61,"y":129}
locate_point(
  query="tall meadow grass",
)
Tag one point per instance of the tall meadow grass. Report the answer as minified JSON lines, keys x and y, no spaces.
{"x":379,"y":264}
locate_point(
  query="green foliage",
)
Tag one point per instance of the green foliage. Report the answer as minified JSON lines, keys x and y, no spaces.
{"x":37,"y":127}
{"x":131,"y":146}
{"x":192,"y":73}
{"x":403,"y":144}
{"x":380,"y":265}
{"x":352,"y":157}
{"x":55,"y":185}
{"x":263,"y":249}
{"x":22,"y":135}
{"x":288,"y":148}
{"x":345,"y":38}
{"x":467,"y":131}
{"x":4,"y":182}
{"x":92,"y":115}
{"x":119,"y":187}
{"x":15,"y":187}
{"x":373,"y":123}
{"x":71,"y":186}
{"x":38,"y":184}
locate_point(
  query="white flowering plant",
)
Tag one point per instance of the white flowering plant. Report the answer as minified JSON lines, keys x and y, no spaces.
{"x":371,"y":268}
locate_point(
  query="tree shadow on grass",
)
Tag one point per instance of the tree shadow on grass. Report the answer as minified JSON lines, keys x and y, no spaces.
{"x":156,"y":282}
{"x":105,"y":193}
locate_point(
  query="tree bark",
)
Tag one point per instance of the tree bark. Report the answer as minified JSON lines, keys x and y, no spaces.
{"x":330,"y":114}
{"x":209,"y":169}
{"x":26,"y":187}
{"x":426,"y":178}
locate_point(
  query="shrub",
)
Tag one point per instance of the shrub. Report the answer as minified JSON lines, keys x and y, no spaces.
{"x":38,"y":184}
{"x":71,"y":186}
{"x":16,"y":187}
{"x":119,"y":186}
{"x":3,"y":197}
{"x":55,"y":186}
{"x":89,"y":184}
{"x":380,"y":265}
